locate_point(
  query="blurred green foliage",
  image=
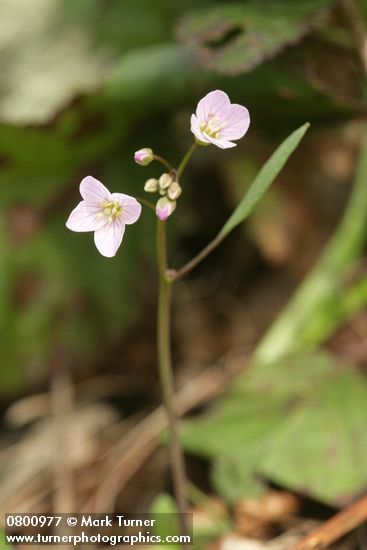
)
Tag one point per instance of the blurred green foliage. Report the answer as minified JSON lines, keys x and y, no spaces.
{"x":55,"y":288}
{"x":300,"y":425}
{"x":86,"y":83}
{"x":264,"y":179}
{"x":298,"y":422}
{"x":235,"y":37}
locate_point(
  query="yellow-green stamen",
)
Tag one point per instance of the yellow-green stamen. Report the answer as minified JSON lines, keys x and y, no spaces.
{"x":212,"y":127}
{"x":111,"y":210}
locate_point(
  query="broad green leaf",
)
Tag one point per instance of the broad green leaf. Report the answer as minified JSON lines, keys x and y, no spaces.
{"x":235,"y":477}
{"x":299,"y":423}
{"x":322,"y":447}
{"x":319,"y":448}
{"x":235,"y":37}
{"x":264,"y":179}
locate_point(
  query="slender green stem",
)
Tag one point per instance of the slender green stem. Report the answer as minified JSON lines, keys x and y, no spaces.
{"x":146,"y":203}
{"x":175,"y":274}
{"x":166,"y":374}
{"x":186,"y":159}
{"x":163,"y":161}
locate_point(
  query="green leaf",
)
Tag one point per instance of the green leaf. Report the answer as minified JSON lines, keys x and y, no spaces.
{"x":300,"y":424}
{"x":234,"y":475}
{"x":322,"y":448}
{"x":3,"y":544}
{"x":163,"y":504}
{"x":264,"y":179}
{"x":233,"y":37}
{"x":324,"y":411}
{"x":165,"y":510}
{"x":321,"y":303}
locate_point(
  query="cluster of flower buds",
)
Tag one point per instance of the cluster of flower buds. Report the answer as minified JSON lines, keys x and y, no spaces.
{"x":169,"y":188}
{"x":167,"y":185}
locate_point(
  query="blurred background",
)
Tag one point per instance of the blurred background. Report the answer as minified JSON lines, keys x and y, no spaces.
{"x":269,"y":333}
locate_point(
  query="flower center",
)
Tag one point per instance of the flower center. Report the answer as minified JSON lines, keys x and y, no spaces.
{"x":212,"y":126}
{"x":110,"y":210}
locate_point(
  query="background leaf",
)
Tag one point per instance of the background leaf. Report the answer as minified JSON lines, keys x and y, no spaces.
{"x":268,"y":429}
{"x":234,"y":38}
{"x":319,"y":303}
{"x":264,"y":179}
{"x":43,"y":68}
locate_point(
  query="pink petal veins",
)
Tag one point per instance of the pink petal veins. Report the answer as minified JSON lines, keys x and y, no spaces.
{"x":93,"y":191}
{"x":84,"y":217}
{"x":109,"y":237}
{"x":213,"y":104}
{"x":130,"y":207}
{"x":237,"y":123}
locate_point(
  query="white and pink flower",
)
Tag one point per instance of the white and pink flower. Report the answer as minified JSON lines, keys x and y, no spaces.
{"x":104,"y":213}
{"x":218,"y":121}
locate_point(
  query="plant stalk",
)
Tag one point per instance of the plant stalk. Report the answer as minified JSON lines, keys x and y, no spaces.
{"x":163,"y":161}
{"x":176,"y":274}
{"x":166,"y":374}
{"x":186,"y":159}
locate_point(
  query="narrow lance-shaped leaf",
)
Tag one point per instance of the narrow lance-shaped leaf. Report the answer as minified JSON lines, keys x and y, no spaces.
{"x":263,"y":180}
{"x":324,"y":300}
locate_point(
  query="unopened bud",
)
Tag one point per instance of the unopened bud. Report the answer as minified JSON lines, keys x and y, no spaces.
{"x":174,"y":191}
{"x":144,"y":156}
{"x":151,"y":185}
{"x":165,"y":181}
{"x":164,"y":208}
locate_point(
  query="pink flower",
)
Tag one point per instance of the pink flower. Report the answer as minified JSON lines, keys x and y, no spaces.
{"x":164,"y":208}
{"x":104,"y":213}
{"x":144,"y":156}
{"x":218,"y":121}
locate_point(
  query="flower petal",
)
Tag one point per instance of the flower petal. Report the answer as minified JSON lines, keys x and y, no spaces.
{"x":221,"y":143}
{"x":93,"y":191}
{"x":214,"y":103}
{"x":109,"y":237}
{"x":195,"y":129}
{"x":237,"y":123}
{"x":84,"y":218}
{"x":131,"y":208}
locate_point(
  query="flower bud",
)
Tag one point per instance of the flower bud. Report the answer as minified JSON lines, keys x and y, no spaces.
{"x":151,"y":185}
{"x":164,"y":208}
{"x":174,"y":191}
{"x":165,"y":181}
{"x":144,"y":156}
